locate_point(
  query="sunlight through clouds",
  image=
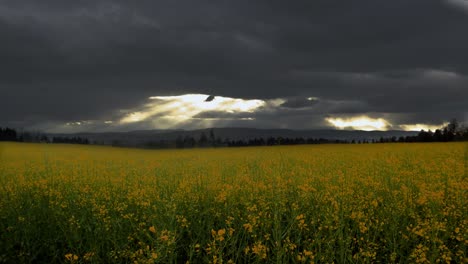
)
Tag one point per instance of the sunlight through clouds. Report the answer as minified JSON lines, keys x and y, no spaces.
{"x":419,"y":127}
{"x":218,"y":103}
{"x":359,"y":123}
{"x":184,"y":107}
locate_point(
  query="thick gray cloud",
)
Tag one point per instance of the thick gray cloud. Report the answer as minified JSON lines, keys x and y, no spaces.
{"x":64,"y":61}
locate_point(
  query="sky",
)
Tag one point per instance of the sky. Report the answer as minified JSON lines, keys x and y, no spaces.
{"x":103,"y":65}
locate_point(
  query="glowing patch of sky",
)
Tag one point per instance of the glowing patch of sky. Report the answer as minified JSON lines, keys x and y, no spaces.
{"x":359,"y":123}
{"x":80,"y":123}
{"x":184,"y":107}
{"x":419,"y":127}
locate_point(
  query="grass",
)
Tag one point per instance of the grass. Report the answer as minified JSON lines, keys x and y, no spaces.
{"x":388,"y":203}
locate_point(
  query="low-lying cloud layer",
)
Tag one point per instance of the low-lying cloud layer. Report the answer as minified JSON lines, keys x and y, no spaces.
{"x":92,"y":65}
{"x":192,"y":111}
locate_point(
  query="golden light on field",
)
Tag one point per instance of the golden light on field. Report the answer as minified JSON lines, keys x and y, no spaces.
{"x":183,"y":107}
{"x":359,"y":123}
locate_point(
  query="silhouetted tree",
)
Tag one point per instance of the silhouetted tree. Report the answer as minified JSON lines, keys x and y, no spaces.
{"x":203,"y":141}
{"x":45,"y":139}
{"x":453,"y":126}
{"x":189,"y":142}
{"x":179,"y":142}
{"x":219,"y":142}
{"x":212,"y":138}
{"x":8,"y":134}
{"x":437,"y":136}
{"x":76,"y":140}
{"x":450,"y":131}
{"x":463,"y":134}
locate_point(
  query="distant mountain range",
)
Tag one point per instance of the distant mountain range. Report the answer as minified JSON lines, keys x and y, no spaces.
{"x":140,"y":138}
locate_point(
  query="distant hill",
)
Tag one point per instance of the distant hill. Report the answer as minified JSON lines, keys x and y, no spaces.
{"x":141,"y":137}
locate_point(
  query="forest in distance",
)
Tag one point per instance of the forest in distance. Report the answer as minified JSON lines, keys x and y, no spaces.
{"x":453,"y":131}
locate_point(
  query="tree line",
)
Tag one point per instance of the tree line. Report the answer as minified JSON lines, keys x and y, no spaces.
{"x":451,"y":132}
{"x":211,"y":141}
{"x":10,"y":134}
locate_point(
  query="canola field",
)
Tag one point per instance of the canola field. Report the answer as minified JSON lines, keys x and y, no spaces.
{"x":369,"y":203}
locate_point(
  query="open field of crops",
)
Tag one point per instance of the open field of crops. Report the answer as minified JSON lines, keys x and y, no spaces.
{"x":387,"y":203}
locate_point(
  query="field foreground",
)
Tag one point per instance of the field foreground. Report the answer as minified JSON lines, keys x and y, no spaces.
{"x":387,"y":203}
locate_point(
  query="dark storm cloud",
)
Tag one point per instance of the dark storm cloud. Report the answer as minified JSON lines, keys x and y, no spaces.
{"x":300,"y":102}
{"x":63,"y":61}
